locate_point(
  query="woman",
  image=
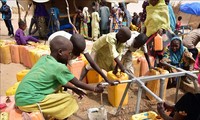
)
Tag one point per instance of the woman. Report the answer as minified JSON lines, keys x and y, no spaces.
{"x":95,"y":24}
{"x":84,"y":21}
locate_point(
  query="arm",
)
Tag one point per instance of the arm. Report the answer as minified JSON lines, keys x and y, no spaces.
{"x":119,"y":64}
{"x":95,"y":66}
{"x":85,"y":86}
{"x":76,"y":90}
{"x":6,"y":10}
{"x":146,"y":55}
{"x":161,"y":111}
{"x":22,"y":38}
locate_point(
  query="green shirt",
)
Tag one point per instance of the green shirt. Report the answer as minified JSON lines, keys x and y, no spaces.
{"x":44,"y":78}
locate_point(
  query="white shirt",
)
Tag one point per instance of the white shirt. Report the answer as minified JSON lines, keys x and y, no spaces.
{"x":128,"y":44}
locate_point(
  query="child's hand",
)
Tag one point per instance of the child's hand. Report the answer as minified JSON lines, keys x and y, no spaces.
{"x":161,"y":108}
{"x":165,"y":60}
{"x":79,"y":92}
{"x":99,"y":88}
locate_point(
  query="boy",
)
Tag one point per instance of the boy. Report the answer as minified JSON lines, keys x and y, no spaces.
{"x":178,"y":24}
{"x":20,"y":37}
{"x":136,"y":41}
{"x":38,"y":89}
{"x":79,"y":45}
{"x":108,"y":48}
{"x":6,"y":16}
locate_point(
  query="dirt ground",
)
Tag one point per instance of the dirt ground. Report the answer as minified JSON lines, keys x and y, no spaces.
{"x":8,"y":78}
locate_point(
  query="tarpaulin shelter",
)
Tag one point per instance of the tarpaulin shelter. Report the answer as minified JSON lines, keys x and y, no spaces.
{"x":191,"y":8}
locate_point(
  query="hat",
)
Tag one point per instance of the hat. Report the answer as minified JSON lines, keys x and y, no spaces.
{"x":41,"y":1}
{"x":176,"y":38}
{"x":3,"y":0}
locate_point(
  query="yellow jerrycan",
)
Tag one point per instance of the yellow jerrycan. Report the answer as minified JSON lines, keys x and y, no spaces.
{"x":115,"y":93}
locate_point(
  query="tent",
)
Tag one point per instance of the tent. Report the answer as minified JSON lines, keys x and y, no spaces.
{"x":191,"y":8}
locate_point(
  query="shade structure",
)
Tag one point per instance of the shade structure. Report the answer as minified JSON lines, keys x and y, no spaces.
{"x":191,"y":8}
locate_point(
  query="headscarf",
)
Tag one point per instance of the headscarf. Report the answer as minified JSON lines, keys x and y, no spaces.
{"x":86,"y":14}
{"x":157,"y":18}
{"x":172,"y":17}
{"x":3,"y":0}
{"x":176,"y":57}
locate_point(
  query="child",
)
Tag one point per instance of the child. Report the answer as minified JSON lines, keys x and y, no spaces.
{"x":179,"y":56}
{"x":108,"y":48}
{"x":38,"y":89}
{"x":79,"y":45}
{"x":178,"y":24}
{"x":175,"y":53}
{"x":77,"y":18}
{"x":187,"y":108}
{"x":54,"y":17}
{"x":95,"y":24}
{"x":136,"y":41}
{"x":20,"y":37}
{"x":6,"y":16}
{"x":84,"y":22}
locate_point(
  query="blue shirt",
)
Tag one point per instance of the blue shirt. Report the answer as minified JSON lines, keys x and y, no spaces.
{"x":6,"y":12}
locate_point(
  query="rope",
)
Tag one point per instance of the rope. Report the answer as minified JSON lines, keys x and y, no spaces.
{"x":40,"y":110}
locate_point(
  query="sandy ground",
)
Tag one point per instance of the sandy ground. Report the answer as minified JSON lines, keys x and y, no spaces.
{"x":8,"y":78}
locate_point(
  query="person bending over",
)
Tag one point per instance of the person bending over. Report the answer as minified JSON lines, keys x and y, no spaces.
{"x":79,"y":46}
{"x":38,"y":89}
{"x":107,"y":48}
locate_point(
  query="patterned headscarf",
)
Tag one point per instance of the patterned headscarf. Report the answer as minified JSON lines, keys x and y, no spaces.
{"x":176,"y":57}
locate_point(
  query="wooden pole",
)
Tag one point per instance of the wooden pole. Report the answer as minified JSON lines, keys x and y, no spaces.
{"x":69,"y":17}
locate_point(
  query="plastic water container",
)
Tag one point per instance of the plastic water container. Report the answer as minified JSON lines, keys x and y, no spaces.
{"x":4,"y":116}
{"x":144,"y":65}
{"x":146,"y":116}
{"x":137,"y":62}
{"x":115,"y":93}
{"x":5,"y":54}
{"x":76,"y":68}
{"x":158,"y":43}
{"x":154,"y":85}
{"x":97,"y":113}
{"x":14,"y":50}
{"x":12,"y":90}
{"x":20,"y":75}
{"x":93,"y":77}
